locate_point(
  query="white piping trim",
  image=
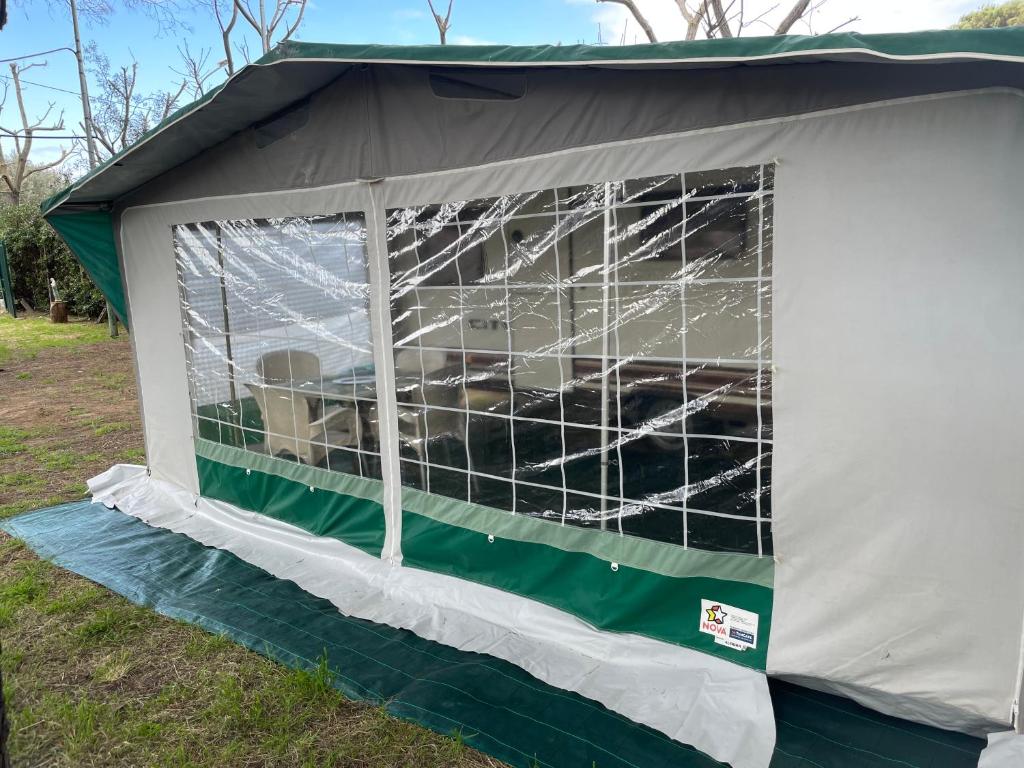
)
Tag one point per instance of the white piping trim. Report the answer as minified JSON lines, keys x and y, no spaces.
{"x":627,"y":63}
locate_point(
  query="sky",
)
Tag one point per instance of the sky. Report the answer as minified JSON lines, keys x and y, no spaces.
{"x":40,"y":25}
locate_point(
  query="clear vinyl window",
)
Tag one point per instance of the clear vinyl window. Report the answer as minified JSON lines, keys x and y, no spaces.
{"x":598,"y":356}
{"x":276,"y":319}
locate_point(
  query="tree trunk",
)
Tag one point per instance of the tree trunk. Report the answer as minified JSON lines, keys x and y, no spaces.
{"x":59,"y":312}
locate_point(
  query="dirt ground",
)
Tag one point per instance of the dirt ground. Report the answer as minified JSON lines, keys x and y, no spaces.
{"x":74,"y":411}
{"x":89,"y":679}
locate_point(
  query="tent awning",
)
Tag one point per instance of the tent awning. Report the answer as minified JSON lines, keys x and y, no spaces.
{"x":294,"y":70}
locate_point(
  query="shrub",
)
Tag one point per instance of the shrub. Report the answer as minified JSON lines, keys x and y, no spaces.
{"x":36,"y":253}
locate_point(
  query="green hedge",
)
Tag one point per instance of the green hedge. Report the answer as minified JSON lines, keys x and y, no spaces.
{"x":36,"y":253}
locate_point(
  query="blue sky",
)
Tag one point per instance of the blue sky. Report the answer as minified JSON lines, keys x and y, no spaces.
{"x":36,"y":26}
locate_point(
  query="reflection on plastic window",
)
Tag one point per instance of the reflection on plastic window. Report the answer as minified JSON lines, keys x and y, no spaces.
{"x":597,"y":355}
{"x":276,"y":319}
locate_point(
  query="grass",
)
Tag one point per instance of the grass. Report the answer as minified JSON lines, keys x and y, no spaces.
{"x":27,"y":336}
{"x":94,"y":680}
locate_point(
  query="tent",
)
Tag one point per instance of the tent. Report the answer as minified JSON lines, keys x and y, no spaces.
{"x":653,"y":370}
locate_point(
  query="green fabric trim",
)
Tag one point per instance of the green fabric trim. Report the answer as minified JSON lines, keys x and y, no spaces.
{"x":654,"y":556}
{"x":365,"y":488}
{"x":281,"y":490}
{"x":1007,"y":43}
{"x":90,"y":236}
{"x":625,"y":600}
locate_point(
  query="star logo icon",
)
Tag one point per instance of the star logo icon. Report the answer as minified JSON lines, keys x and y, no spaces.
{"x":716,"y":614}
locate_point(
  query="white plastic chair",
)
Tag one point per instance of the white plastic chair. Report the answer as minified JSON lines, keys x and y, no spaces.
{"x":290,"y":417}
{"x":416,"y":424}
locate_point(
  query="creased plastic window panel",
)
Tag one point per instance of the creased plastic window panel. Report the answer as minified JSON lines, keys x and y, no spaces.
{"x":597,"y":356}
{"x":276,"y":319}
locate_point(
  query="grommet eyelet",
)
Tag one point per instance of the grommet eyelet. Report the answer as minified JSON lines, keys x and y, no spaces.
{"x":615,"y":566}
{"x":490,"y":538}
{"x":311,"y":489}
{"x":248,"y":472}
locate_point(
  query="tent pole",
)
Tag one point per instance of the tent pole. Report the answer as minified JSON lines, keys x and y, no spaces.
{"x":232,"y":390}
{"x":605,"y":394}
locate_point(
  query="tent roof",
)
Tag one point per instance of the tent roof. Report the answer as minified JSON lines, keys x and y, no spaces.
{"x":293,"y":70}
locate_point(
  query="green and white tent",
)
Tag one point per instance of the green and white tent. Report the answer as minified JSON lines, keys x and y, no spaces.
{"x":654,"y":370}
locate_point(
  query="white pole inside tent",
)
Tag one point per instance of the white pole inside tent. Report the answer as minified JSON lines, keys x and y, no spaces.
{"x":605,"y":302}
{"x":1018,"y":721}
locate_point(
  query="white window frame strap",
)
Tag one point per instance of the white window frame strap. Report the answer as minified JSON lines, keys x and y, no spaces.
{"x":384,"y":368}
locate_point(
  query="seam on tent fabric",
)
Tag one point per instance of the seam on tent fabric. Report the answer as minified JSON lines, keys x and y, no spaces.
{"x":875,"y":723}
{"x":653,"y":556}
{"x":822,"y":736}
{"x":384,"y":365}
{"x":366,"y":488}
{"x":808,"y":760}
{"x":1019,"y":92}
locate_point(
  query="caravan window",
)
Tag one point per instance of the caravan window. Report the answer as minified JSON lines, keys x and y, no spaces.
{"x":276,"y":316}
{"x":596,"y":355}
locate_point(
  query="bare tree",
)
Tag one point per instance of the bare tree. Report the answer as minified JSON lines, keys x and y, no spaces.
{"x":166,"y":13}
{"x":265,"y":21}
{"x":714,"y":18}
{"x":120,"y":114}
{"x":196,"y":69}
{"x":443,"y":23}
{"x":226,"y":27}
{"x":19,"y":169}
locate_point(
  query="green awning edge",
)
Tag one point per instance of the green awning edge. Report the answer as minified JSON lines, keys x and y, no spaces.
{"x":1006,"y":43}
{"x":934,"y":46}
{"x":90,"y":236}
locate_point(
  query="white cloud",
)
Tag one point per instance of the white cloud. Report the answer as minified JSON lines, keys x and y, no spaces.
{"x":470,"y":40}
{"x":408,"y":14}
{"x":873,"y":16}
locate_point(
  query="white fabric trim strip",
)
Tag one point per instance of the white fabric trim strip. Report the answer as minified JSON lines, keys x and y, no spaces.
{"x":384,"y":367}
{"x":721,"y":708}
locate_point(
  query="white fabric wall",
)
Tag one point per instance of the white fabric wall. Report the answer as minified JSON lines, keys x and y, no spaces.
{"x":899,"y":537}
{"x":899,"y":346}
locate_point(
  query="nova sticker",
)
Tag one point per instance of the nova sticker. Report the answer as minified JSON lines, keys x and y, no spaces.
{"x":730,"y":626}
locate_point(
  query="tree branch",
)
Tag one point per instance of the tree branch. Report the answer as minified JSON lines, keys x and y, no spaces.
{"x":298,"y":20}
{"x":640,"y":19}
{"x":442,"y":24}
{"x":791,"y":18}
{"x":721,"y":24}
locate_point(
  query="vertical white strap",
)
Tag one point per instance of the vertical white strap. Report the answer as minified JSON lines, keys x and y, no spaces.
{"x":384,"y":368}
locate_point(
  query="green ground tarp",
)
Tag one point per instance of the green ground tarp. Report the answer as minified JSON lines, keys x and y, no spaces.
{"x":496,"y":706}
